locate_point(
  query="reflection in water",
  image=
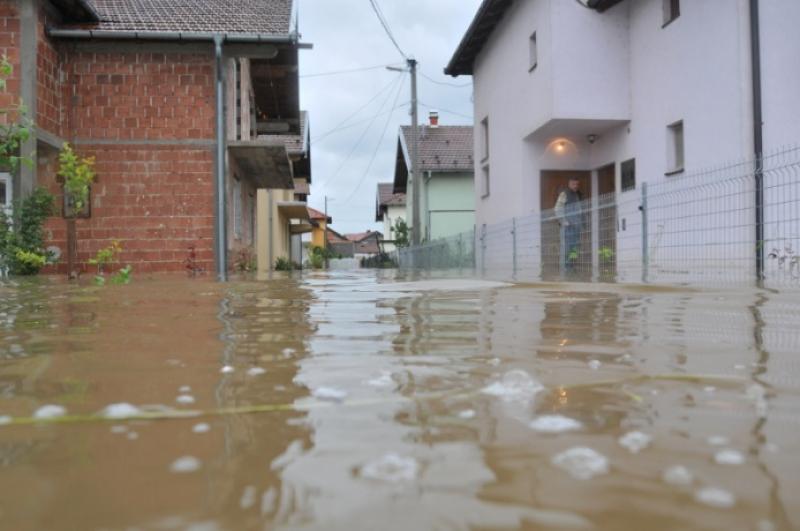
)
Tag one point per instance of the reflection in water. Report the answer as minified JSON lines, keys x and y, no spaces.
{"x":382,"y":417}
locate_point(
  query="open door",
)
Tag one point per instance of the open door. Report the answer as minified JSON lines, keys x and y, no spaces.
{"x":554,"y":252}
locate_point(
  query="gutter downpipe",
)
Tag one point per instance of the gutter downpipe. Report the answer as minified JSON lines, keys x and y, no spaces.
{"x":221,"y":232}
{"x":758,"y":137}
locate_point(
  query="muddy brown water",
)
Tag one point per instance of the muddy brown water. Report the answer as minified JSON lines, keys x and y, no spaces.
{"x":375,"y":410}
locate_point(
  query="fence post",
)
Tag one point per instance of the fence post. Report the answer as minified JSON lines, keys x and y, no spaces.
{"x":483,"y":249}
{"x":645,"y":243}
{"x":514,"y":246}
{"x":460,"y":253}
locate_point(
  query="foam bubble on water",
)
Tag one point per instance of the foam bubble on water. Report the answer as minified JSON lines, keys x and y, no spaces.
{"x":384,"y":380}
{"x":758,"y":396}
{"x":554,"y":424}
{"x":595,"y":364}
{"x":391,"y":467}
{"x":248,"y":498}
{"x":765,"y":525}
{"x":185,"y":464}
{"x":185,"y":399}
{"x":729,"y":457}
{"x":268,"y":501}
{"x":201,"y":428}
{"x":516,"y":385}
{"x":635,"y":441}
{"x":717,"y":440}
{"x":740,"y":367}
{"x":120,"y":411}
{"x":132,"y":436}
{"x":494,"y":362}
{"x":678,"y":475}
{"x":466,"y":414}
{"x":329,"y":393}
{"x":227,"y":369}
{"x":715,"y":497}
{"x":5,"y":419}
{"x":287,"y":353}
{"x":50,"y":411}
{"x":581,"y":462}
{"x":256,"y":371}
{"x":709,"y":389}
{"x":117,"y":429}
{"x":185,"y":389}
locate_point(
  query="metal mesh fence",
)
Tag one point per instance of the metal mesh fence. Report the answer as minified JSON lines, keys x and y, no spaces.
{"x":699,"y":228}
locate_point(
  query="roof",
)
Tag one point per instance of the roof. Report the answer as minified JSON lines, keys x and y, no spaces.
{"x":335,"y":237}
{"x":366,"y":242}
{"x":387,"y":198}
{"x":489,"y":15}
{"x":442,"y":148}
{"x":316,"y":215}
{"x":267,"y":17}
{"x":295,"y":144}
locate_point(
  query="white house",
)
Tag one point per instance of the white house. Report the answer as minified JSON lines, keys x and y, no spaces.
{"x":623,"y":92}
{"x":389,"y":207}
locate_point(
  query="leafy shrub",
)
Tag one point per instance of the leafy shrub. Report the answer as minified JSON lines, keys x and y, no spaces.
{"x":22,"y":234}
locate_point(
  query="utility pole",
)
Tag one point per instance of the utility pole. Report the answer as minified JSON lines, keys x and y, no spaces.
{"x":325,"y":234}
{"x":415,"y":176}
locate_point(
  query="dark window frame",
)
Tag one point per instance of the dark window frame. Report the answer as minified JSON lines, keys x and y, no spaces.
{"x":627,"y":171}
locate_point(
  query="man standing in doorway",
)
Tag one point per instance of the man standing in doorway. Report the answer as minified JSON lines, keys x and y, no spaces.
{"x":568,"y":212}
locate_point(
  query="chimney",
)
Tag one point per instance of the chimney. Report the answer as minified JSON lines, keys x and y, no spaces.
{"x":434,"y":118}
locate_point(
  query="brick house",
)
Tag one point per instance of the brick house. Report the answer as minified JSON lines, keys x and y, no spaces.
{"x":192,"y":115}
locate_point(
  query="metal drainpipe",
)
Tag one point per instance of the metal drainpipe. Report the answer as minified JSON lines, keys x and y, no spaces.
{"x":221,"y":210}
{"x":758,"y":136}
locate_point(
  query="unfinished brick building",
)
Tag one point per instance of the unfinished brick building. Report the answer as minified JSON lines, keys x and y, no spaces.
{"x":188,"y":112}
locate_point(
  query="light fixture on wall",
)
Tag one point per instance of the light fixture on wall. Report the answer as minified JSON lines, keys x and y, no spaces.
{"x":591,"y":138}
{"x":561,"y":146}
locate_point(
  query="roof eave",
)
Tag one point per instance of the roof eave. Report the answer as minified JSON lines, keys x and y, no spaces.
{"x":92,"y":34}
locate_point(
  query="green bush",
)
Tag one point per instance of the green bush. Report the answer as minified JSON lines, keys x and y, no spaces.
{"x":22,"y":234}
{"x":284,"y":264}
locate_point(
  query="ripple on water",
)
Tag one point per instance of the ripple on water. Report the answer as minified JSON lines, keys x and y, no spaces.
{"x":516,"y":386}
{"x":201,"y":428}
{"x":185,"y":399}
{"x":715,"y":497}
{"x":392,"y":468}
{"x":554,"y":424}
{"x":635,"y":441}
{"x":120,"y":411}
{"x":729,"y":457}
{"x":678,"y":475}
{"x":581,"y":462}
{"x":50,"y":411}
{"x":256,"y":371}
{"x":329,"y":393}
{"x":185,"y":464}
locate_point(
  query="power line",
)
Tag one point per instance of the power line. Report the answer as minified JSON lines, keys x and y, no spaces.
{"x":354,"y":124}
{"x":363,"y":134}
{"x":456,"y":85}
{"x":376,"y":8}
{"x":445,"y":110}
{"x":339,"y":125}
{"x":377,"y":148}
{"x":336,"y":72}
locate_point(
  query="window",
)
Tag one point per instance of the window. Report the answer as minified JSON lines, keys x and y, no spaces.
{"x":672,"y":10}
{"x":485,"y":182}
{"x":533,"y":53}
{"x":237,"y":208}
{"x":628,"y":171}
{"x":485,"y":139}
{"x":675,"y":148}
{"x":6,"y":192}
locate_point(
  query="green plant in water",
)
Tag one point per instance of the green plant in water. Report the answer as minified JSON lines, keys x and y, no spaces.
{"x":103,"y":260}
{"x":284,"y":264}
{"x":245,"y":261}
{"x":401,"y":233}
{"x":78,"y":176}
{"x":606,"y":254}
{"x":123,"y":276}
{"x":22,"y":234}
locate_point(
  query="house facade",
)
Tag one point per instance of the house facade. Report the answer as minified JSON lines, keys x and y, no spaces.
{"x":389,"y":208}
{"x":447,"y":196}
{"x":192,"y":118}
{"x":619,"y":93}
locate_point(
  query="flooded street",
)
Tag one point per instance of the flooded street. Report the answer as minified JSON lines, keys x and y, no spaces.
{"x":357,"y":400}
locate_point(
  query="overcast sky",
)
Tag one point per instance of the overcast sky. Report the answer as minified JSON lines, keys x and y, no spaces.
{"x":346,"y":35}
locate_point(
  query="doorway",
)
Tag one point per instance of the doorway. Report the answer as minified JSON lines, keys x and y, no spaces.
{"x":606,"y":213}
{"x":554,"y":254}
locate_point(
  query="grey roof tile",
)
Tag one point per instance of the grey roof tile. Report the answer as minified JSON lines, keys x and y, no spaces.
{"x":443,"y":148}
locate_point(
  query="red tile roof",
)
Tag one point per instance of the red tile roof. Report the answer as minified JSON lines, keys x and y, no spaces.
{"x":271,"y":17}
{"x":443,"y":148}
{"x":315,"y":215}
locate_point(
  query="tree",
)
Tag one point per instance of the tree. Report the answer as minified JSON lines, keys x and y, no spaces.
{"x":401,"y":231}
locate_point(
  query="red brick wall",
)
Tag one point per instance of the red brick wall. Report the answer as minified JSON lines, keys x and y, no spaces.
{"x":51,"y":92}
{"x":9,"y":46}
{"x":155,"y":199}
